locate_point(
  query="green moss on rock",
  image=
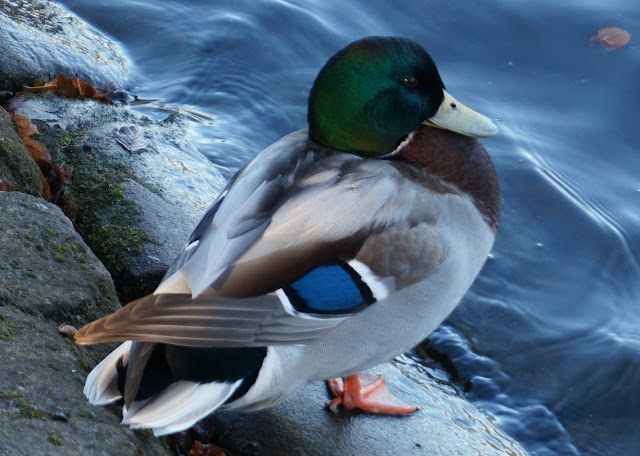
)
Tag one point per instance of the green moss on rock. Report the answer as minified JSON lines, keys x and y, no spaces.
{"x":108,"y":220}
{"x":55,"y":439}
{"x":44,"y":276}
{"x":30,"y":412}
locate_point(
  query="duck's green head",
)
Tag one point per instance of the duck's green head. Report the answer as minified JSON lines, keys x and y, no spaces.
{"x":370,"y":95}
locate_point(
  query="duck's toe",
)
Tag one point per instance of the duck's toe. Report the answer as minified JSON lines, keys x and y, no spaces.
{"x":365,"y":392}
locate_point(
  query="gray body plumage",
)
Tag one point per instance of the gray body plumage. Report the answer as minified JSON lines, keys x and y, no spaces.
{"x":433,"y":245}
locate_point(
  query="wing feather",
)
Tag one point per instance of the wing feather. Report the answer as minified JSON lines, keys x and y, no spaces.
{"x":206,"y":321}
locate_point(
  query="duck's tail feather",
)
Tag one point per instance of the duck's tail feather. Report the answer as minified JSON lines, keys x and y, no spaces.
{"x":101,"y":387}
{"x":138,"y":357}
{"x":178,"y":407}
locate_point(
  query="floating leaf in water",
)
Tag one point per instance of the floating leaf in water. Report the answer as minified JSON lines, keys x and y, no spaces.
{"x":130,"y":139}
{"x":611,"y":38}
{"x":70,"y":88}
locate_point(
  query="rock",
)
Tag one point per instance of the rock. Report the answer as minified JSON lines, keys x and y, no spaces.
{"x":136,"y":210}
{"x":45,"y":268}
{"x":39,"y":38}
{"x":17,"y":168}
{"x":41,"y":380}
{"x":48,"y":275}
{"x":167,"y":227}
{"x":67,"y":330}
{"x":445,"y":425}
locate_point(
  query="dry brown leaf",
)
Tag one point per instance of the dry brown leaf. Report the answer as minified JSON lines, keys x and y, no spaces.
{"x":24,"y":125}
{"x":25,"y":129}
{"x":54,"y":178}
{"x":46,"y":190}
{"x":38,"y":150}
{"x":64,"y":86}
{"x":4,"y":186}
{"x":209,"y":449}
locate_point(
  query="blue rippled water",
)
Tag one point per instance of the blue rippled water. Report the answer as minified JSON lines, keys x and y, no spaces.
{"x":549,"y":336}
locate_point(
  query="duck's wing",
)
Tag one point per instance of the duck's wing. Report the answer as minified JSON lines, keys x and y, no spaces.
{"x":281,"y":257}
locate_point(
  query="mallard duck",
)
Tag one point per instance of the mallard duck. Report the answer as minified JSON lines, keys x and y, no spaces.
{"x":336,"y":248}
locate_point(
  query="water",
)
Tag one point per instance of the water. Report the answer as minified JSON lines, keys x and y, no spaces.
{"x":549,"y":335}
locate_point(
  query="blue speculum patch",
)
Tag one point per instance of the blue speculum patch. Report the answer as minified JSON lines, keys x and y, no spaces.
{"x":335,"y":288}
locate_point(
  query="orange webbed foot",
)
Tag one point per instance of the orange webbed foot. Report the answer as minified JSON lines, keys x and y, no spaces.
{"x":366,"y":392}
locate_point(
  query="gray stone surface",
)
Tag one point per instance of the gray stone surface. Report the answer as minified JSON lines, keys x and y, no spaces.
{"x":169,"y":227}
{"x":17,"y":168}
{"x":41,"y":382}
{"x":136,"y":210}
{"x":49,"y":276}
{"x":445,"y":425}
{"x":39,"y":38}
{"x":45,"y":267}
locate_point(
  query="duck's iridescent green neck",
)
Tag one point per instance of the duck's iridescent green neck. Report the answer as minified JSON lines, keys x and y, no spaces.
{"x":373,"y":93}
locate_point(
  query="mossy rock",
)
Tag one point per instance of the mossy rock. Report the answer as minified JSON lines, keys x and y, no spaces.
{"x":17,"y":168}
{"x":42,"y":408}
{"x":135,"y":210}
{"x":46,"y":269}
{"x":38,"y":38}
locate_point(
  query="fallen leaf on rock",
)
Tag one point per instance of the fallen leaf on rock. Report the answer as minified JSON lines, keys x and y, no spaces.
{"x":51,"y":174}
{"x":55,"y":175}
{"x":55,"y":179}
{"x":38,"y":151}
{"x":64,"y":86}
{"x":26,"y":129}
{"x":200,"y":449}
{"x":611,"y":38}
{"x":24,"y":125}
{"x":46,"y":191}
{"x":4,"y":186}
{"x":130,"y":139}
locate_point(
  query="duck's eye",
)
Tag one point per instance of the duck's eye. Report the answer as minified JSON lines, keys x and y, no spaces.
{"x":410,"y":81}
{"x":453,"y":105}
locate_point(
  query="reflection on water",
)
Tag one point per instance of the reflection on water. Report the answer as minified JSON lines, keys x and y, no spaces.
{"x":549,"y":334}
{"x":478,"y":431}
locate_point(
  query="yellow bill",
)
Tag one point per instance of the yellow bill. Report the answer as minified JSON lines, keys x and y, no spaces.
{"x":453,"y":115}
